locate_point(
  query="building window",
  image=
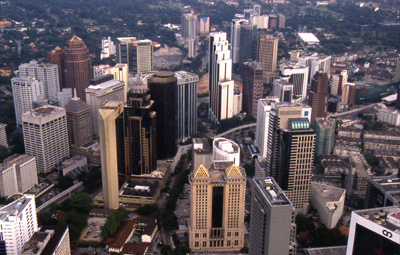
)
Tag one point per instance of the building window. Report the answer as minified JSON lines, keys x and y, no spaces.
{"x":196,"y":244}
{"x":196,"y":235}
{"x":204,"y":244}
{"x":236,"y":233}
{"x":236,"y":242}
{"x":205,"y":235}
{"x":229,"y":234}
{"x":228,"y":243}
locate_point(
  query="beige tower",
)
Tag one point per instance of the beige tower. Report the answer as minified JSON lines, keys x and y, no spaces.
{"x":108,"y":144}
{"x":267,"y":55}
{"x":217,"y":207}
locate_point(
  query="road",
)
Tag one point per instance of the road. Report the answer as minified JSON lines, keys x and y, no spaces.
{"x":352,"y":111}
{"x":62,"y":196}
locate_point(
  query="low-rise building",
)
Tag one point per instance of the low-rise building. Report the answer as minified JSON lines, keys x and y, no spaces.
{"x":346,"y":150}
{"x":382,"y":191}
{"x":73,"y":163}
{"x":342,"y":140}
{"x":388,"y":154}
{"x":334,"y":165}
{"x":356,"y":181}
{"x":388,"y":166}
{"x":381,"y":144}
{"x":349,"y":132}
{"x":329,"y":202}
{"x":389,"y":116}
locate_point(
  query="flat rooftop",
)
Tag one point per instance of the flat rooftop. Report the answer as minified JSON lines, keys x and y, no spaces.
{"x":270,"y":191}
{"x":388,"y":217}
{"x":328,"y":193}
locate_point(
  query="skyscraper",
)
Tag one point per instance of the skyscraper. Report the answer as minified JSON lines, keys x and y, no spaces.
{"x":349,"y":95}
{"x":226,"y":150}
{"x":217,"y":207}
{"x":295,"y":162}
{"x":46,"y":136}
{"x":221,"y":85}
{"x":236,"y":26}
{"x":325,"y":135}
{"x":140,"y":138}
{"x":272,"y":228}
{"x":47,"y":73}
{"x":18,"y":223}
{"x":204,"y":26}
{"x":318,"y":95}
{"x":25,"y":90}
{"x":120,"y":72}
{"x":267,"y":55}
{"x":78,"y":66}
{"x":187,"y":104}
{"x":298,"y":75}
{"x":252,"y":86}
{"x":337,"y":82}
{"x":3,"y":135}
{"x":316,"y":63}
{"x":57,"y":57}
{"x":283,"y":89}
{"x":248,"y":44}
{"x":110,"y":134}
{"x":163,"y":90}
{"x":189,"y":26}
{"x":138,"y":54}
{"x":107,"y":47}
{"x":79,"y":122}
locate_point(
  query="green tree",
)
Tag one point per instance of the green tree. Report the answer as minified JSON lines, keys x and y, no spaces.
{"x":304,"y":224}
{"x":45,"y":219}
{"x":148,"y":210}
{"x":4,"y":153}
{"x":65,"y":182}
{"x":81,"y":202}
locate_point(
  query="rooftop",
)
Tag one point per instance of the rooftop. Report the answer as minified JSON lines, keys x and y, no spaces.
{"x":226,"y":145}
{"x":326,"y":123}
{"x":270,"y":191}
{"x":388,"y":217}
{"x":201,"y":146}
{"x":139,"y":189}
{"x":336,"y":250}
{"x":15,"y":208}
{"x":308,"y":37}
{"x":328,"y":193}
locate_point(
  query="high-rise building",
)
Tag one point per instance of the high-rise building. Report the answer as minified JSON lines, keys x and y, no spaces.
{"x":48,"y":240}
{"x":187,"y":104}
{"x":188,"y":26}
{"x":217,"y":207}
{"x":110,"y":134}
{"x":140,"y":138}
{"x":47,"y":73}
{"x":100,"y":91}
{"x":397,"y":70}
{"x":78,"y":66}
{"x":79,"y":122}
{"x":248,"y":44}
{"x":3,"y":135}
{"x":64,"y":96}
{"x":325,"y":135}
{"x":315,"y":64}
{"x":46,"y":136}
{"x":18,"y":223}
{"x":221,"y":85}
{"x":236,"y":26}
{"x":263,"y":111}
{"x":349,"y":95}
{"x":120,"y":72}
{"x":252,"y":86}
{"x":260,"y":21}
{"x":272,"y":219}
{"x":226,"y":150}
{"x":163,"y":90}
{"x":298,"y":76}
{"x":318,"y":95}
{"x":295,"y":162}
{"x":57,"y":57}
{"x":25,"y":91}
{"x":267,"y":55}
{"x":191,"y":46}
{"x":281,"y":21}
{"x":382,"y":191}
{"x":204,"y":26}
{"x":107,"y":47}
{"x":273,"y":21}
{"x":18,"y":174}
{"x":201,"y":153}
{"x":138,"y":54}
{"x":237,"y":101}
{"x":397,"y":106}
{"x":374,"y":231}
{"x":337,"y":82}
{"x":283,"y":89}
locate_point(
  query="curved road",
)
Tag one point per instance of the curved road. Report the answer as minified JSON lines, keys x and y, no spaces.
{"x":237,"y":129}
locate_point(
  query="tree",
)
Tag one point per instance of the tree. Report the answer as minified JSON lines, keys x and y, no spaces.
{"x":65,"y":182}
{"x":147,"y":210}
{"x":4,"y":153}
{"x":45,"y":219}
{"x":323,"y":237}
{"x":80,"y":202}
{"x":304,"y":224}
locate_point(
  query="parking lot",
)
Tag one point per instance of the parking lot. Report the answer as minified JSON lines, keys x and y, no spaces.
{"x":93,"y":231}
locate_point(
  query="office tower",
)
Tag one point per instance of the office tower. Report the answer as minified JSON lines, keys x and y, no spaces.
{"x":295,"y":162}
{"x":110,"y":134}
{"x":204,"y":26}
{"x":283,"y":89}
{"x":237,"y":101}
{"x":318,"y":95}
{"x":226,"y":150}
{"x":78,"y":66}
{"x":349,"y":95}
{"x":397,"y":106}
{"x":263,"y":110}
{"x":56,"y":57}
{"x":188,"y":26}
{"x":100,"y":91}
{"x":374,"y":231}
{"x":217,"y":207}
{"x":315,"y":63}
{"x":64,"y":96}
{"x":140,"y":138}
{"x":256,"y":10}
{"x":138,"y":54}
{"x":163,"y":90}
{"x":281,"y":21}
{"x":201,"y":153}
{"x":3,"y":135}
{"x":46,"y":136}
{"x":221,"y":85}
{"x":187,"y":104}
{"x":18,"y":174}
{"x":18,"y":222}
{"x":260,"y":21}
{"x":267,"y":55}
{"x":325,"y":135}
{"x":248,"y":44}
{"x":279,"y":117}
{"x":236,"y":26}
{"x":25,"y":91}
{"x":47,"y":73}
{"x":120,"y":72}
{"x":252,"y":86}
{"x":107,"y":47}
{"x":382,"y":191}
{"x":52,"y":240}
{"x":298,"y":76}
{"x":191,"y":44}
{"x":272,"y":230}
{"x":273,"y":21}
{"x":79,"y":122}
{"x":337,"y":82}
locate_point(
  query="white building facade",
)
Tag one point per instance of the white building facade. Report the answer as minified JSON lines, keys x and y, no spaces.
{"x":226,"y":150}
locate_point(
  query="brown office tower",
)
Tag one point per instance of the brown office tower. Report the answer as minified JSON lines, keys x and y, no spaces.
{"x":318,"y":95}
{"x":79,"y":122}
{"x":349,"y":95}
{"x":267,"y":55}
{"x":252,"y":86}
{"x":56,"y":57}
{"x":140,"y":140}
{"x":217,"y":207}
{"x":78,"y":66}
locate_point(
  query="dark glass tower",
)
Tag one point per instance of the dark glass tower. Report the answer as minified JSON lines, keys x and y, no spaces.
{"x":318,"y":95}
{"x":252,"y":86}
{"x":163,"y":90}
